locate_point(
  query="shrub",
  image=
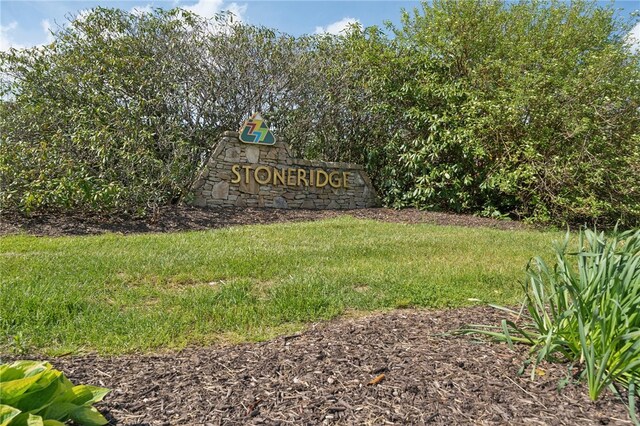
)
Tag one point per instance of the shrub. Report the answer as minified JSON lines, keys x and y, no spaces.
{"x":120,"y":112}
{"x":585,"y":310}
{"x":524,"y":109}
{"x":529,"y":109}
{"x":33,"y":393}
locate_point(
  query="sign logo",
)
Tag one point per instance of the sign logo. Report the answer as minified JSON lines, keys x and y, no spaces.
{"x":256,"y":131}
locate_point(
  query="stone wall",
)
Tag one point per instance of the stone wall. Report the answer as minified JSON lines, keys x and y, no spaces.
{"x":247,"y":175}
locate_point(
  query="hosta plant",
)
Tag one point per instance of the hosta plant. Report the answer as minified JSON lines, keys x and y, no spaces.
{"x":32,"y":393}
{"x":586,"y":310}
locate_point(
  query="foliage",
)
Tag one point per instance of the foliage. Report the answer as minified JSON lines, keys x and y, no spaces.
{"x":529,"y":109}
{"x":586,"y":309}
{"x":101,"y":119}
{"x":122,"y":109}
{"x":335,"y":118}
{"x":249,"y":68}
{"x":33,"y":393}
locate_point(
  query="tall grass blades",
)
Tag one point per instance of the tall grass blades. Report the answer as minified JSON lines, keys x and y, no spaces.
{"x":586,"y":309}
{"x":589,"y":309}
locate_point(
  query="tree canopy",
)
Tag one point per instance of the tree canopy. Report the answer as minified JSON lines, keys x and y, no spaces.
{"x":527,"y":110}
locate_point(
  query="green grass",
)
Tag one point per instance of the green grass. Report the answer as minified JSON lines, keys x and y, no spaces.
{"x":116,"y":294}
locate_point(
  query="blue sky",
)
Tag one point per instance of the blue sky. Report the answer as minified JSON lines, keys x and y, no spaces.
{"x":26,"y":23}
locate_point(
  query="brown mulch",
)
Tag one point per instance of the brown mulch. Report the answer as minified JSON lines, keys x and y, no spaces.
{"x":186,"y":218}
{"x":325,"y":375}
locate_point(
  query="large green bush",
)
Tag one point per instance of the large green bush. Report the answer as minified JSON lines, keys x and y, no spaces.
{"x":122,"y":109}
{"x":527,"y":110}
{"x":101,"y":119}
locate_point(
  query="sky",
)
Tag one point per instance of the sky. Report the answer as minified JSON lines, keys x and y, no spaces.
{"x":26,"y":23}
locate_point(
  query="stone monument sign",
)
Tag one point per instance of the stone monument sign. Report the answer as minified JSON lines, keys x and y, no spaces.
{"x":253,"y":169}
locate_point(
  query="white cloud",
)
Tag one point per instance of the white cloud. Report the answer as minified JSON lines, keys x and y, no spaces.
{"x":83,"y":14}
{"x":209,"y":8}
{"x":46,"y":27}
{"x":6,"y":37}
{"x":206,"y":8}
{"x":238,"y":10}
{"x":8,"y":41}
{"x":141,"y":10}
{"x":634,"y":38}
{"x":338,"y":26}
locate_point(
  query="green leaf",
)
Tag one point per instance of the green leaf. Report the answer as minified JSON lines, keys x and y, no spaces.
{"x":632,"y":403}
{"x":12,"y":390}
{"x":43,"y":393}
{"x":33,"y":420}
{"x":87,"y":394}
{"x":7,"y":413}
{"x":88,"y":416}
{"x":24,"y":368}
{"x":46,"y":394}
{"x":59,"y":410}
{"x":8,"y":372}
{"x":26,"y":419}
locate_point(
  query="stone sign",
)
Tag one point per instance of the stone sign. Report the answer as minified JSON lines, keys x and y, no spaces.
{"x":259,"y":174}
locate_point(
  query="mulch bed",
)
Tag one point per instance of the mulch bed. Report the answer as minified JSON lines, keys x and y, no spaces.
{"x":184,"y":218}
{"x":323,"y":376}
{"x":326,"y":375}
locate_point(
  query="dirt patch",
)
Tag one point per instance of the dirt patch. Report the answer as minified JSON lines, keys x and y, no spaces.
{"x":321,"y":376}
{"x":186,"y":218}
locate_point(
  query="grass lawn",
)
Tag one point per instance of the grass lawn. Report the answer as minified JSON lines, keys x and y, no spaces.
{"x":117,"y":294}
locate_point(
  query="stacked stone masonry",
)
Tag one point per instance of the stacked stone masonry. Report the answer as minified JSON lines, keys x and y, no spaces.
{"x":246,"y":175}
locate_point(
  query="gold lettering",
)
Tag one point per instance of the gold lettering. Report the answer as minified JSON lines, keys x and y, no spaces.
{"x":291,"y":174}
{"x":256,"y":175}
{"x":235,"y":169}
{"x":246,"y":173}
{"x":321,"y":173}
{"x":302,"y":177}
{"x":263,"y":175}
{"x":334,"y":184}
{"x":278,"y":175}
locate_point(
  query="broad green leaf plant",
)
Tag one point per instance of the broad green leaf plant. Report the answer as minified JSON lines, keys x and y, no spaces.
{"x":32,"y":393}
{"x":586,"y":309}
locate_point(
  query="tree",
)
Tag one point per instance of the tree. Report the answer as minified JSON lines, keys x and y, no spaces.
{"x":528,"y":109}
{"x":103,"y":118}
{"x":122,"y":109}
